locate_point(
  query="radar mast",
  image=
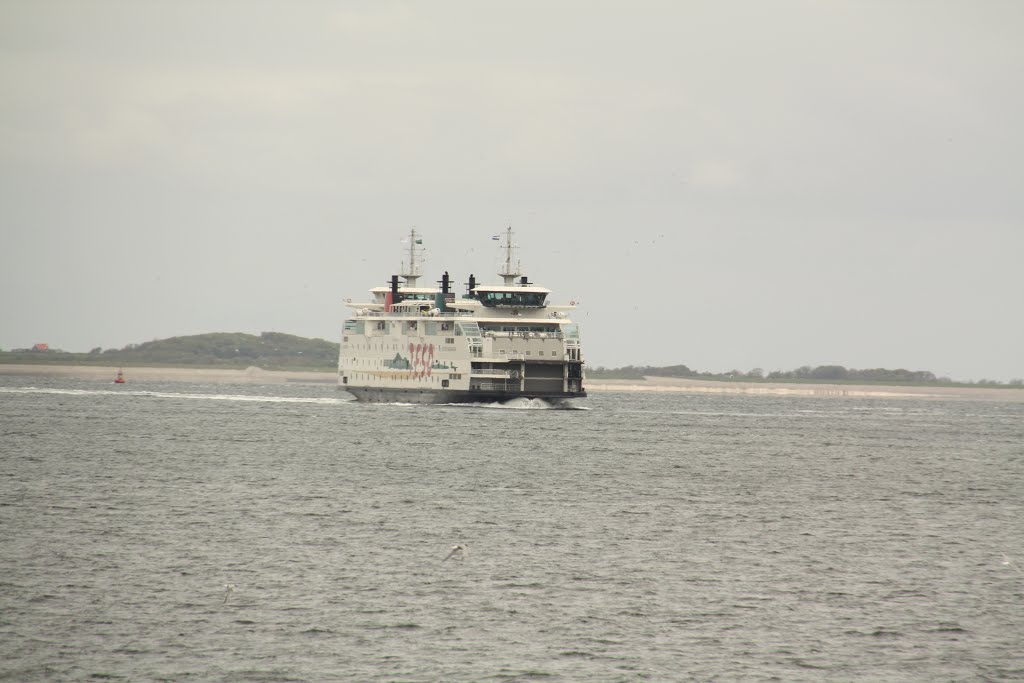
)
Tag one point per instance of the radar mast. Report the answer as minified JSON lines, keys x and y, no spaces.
{"x":511,"y":268}
{"x":412,"y":272}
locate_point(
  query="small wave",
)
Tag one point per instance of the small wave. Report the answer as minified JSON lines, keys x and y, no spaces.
{"x":402,"y":626}
{"x":709,"y":413}
{"x":525,"y":675}
{"x":534,"y":584}
{"x":578,"y":653}
{"x":804,"y":664}
{"x":317,"y":632}
{"x":885,"y":633}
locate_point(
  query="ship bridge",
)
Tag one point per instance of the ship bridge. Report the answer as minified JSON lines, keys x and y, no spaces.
{"x":407,"y":293}
{"x":498,"y":296}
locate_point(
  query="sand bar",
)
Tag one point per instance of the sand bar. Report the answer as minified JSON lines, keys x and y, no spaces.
{"x":696,"y":386}
{"x":250,"y":375}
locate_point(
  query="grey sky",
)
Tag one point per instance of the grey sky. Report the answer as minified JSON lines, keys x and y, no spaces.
{"x":721,"y":184}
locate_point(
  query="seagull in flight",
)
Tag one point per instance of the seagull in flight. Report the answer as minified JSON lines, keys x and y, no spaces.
{"x":457,"y":550}
{"x":1007,"y":562}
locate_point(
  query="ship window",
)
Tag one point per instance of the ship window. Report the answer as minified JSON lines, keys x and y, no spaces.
{"x":468,"y":329}
{"x":524,"y":299}
{"x":444,"y":383}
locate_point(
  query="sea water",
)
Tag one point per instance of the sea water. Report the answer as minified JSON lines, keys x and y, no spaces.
{"x":180,"y":532}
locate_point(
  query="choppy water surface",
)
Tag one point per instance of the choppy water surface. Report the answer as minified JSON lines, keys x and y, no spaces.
{"x":650,"y":537}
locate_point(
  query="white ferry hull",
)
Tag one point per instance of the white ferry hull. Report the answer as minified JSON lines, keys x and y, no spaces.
{"x":413,"y":344}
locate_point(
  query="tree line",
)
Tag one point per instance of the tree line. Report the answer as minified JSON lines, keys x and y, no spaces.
{"x":269,"y":350}
{"x":806,"y":373}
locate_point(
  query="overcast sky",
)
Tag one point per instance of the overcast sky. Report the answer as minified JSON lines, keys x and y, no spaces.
{"x":721,"y":184}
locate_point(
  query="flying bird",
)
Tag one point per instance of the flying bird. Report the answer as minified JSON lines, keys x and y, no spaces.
{"x":457,"y":550}
{"x":1007,"y":562}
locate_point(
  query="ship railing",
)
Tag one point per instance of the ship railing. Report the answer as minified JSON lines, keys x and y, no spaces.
{"x":495,"y":334}
{"x":484,"y":385}
{"x":495,"y":372}
{"x":421,"y":314}
{"x":501,"y":355}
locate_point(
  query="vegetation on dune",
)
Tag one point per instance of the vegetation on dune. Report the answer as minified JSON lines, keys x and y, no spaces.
{"x":822,"y":373}
{"x":269,"y":350}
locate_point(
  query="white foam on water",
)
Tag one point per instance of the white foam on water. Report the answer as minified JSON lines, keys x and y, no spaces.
{"x":527,"y":404}
{"x":519,"y":404}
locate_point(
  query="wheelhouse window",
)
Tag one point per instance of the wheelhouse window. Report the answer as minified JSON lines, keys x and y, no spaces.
{"x":512,"y":299}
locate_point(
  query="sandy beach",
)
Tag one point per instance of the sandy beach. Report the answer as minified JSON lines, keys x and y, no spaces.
{"x":250,"y":375}
{"x":255,"y":375}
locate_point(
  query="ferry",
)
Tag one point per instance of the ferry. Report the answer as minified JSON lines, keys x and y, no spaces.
{"x":416,"y":344}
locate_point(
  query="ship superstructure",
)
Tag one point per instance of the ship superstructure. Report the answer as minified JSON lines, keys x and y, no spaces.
{"x":415,"y":344}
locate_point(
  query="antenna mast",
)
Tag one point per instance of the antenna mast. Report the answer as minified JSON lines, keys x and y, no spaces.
{"x":508,"y":271}
{"x":412,"y":273}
